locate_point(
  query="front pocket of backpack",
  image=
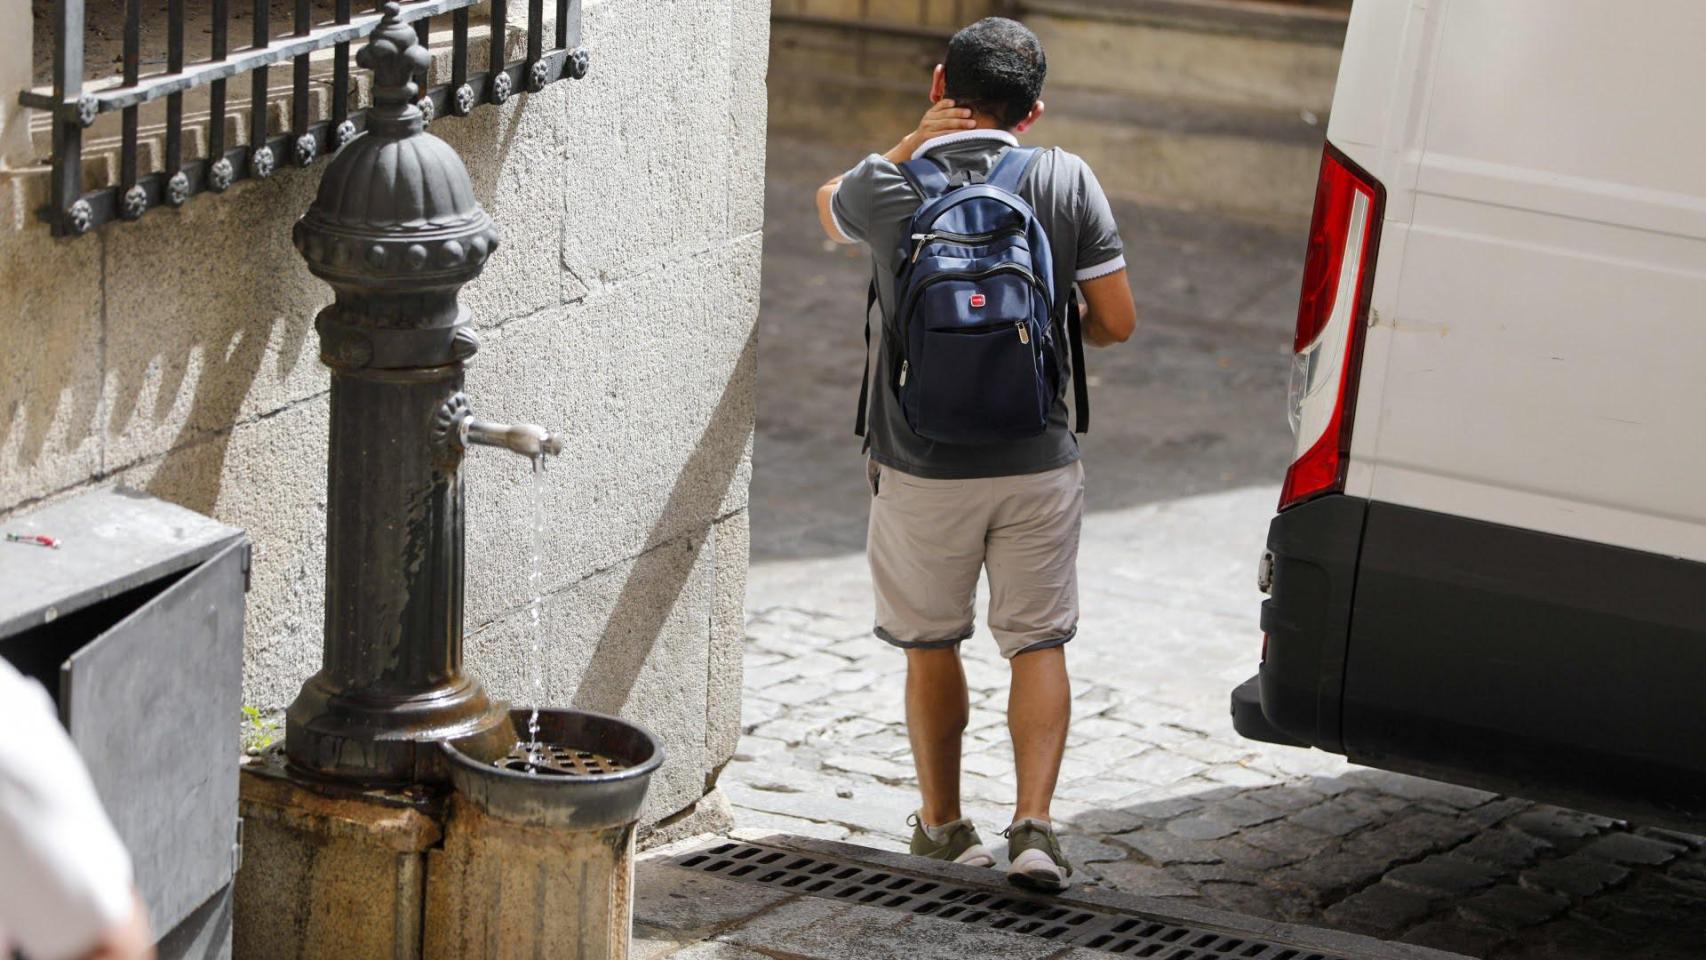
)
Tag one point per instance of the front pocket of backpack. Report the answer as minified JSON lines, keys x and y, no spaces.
{"x":974,"y":372}
{"x":979,"y":385}
{"x":968,"y":304}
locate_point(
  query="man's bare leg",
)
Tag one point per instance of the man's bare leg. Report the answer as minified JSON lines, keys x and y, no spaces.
{"x":1039,"y":706}
{"x":937,"y":710}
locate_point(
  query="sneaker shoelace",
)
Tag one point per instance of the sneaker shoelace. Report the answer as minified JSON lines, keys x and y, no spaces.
{"x":1049,"y":838}
{"x":947,"y":830}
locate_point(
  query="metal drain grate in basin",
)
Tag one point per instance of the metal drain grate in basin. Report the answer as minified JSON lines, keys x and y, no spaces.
{"x":551,"y":760}
{"x":1115,"y":933}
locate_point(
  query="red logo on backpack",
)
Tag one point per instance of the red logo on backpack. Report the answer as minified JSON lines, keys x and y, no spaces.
{"x":977,"y":300}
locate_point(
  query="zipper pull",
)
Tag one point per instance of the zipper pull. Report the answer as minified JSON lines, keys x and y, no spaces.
{"x":904,"y":366}
{"x":919,"y":240}
{"x":1024,"y":334}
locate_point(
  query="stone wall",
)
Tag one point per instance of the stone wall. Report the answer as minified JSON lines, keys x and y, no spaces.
{"x":947,"y":15}
{"x":1215,"y":105}
{"x":177,"y":355}
{"x":859,"y":68}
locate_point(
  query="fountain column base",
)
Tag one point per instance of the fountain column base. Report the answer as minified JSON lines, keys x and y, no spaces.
{"x":361,"y":738}
{"x":498,"y":889}
{"x":330,"y":872}
{"x":514,"y":851}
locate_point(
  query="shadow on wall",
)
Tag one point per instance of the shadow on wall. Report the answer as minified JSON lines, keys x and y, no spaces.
{"x":658,"y":576}
{"x":483,"y":140}
{"x":50,"y":371}
{"x":152,"y":341}
{"x":214,"y":298}
{"x":151,"y":338}
{"x":191,"y":473}
{"x":148,"y":342}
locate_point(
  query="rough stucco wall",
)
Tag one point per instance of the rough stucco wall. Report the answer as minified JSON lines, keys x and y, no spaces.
{"x":177,"y":355}
{"x":14,"y":76}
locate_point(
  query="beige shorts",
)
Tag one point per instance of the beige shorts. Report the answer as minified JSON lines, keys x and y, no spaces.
{"x":929,"y":539}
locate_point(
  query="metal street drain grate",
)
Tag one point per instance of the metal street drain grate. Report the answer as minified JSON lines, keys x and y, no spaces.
{"x":1121,"y":934}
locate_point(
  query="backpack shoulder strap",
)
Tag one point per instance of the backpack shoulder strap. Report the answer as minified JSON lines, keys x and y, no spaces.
{"x":1080,"y":376}
{"x":1010,"y":170}
{"x":865,"y":381}
{"x":927,"y":176}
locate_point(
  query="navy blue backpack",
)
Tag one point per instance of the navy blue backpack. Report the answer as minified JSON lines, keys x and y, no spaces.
{"x":974,"y":312}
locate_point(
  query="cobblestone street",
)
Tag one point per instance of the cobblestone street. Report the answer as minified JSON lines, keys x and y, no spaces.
{"x":1158,"y":796}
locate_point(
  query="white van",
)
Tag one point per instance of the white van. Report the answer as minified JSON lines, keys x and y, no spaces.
{"x":1489,"y":560}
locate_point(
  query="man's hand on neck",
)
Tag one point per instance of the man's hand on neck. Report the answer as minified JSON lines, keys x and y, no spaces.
{"x":942,"y":117}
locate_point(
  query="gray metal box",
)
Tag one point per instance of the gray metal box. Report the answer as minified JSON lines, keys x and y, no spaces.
{"x":135,"y":624}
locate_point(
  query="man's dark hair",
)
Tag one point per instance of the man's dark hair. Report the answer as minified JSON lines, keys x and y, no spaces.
{"x":996,"y":67}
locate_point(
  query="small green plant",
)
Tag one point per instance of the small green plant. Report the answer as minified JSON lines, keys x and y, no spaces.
{"x":259,"y":730}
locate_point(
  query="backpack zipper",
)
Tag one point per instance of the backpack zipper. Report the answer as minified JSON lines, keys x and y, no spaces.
{"x":918,"y":291}
{"x":980,"y":328}
{"x":905,"y":316}
{"x":920,"y":239}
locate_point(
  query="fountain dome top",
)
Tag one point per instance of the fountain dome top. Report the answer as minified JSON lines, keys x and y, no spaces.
{"x":396,"y":202}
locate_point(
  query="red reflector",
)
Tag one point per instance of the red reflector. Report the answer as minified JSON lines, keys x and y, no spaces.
{"x":977,"y":299}
{"x":1318,"y":470}
{"x":1332,"y":310}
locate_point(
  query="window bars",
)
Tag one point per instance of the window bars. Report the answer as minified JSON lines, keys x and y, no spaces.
{"x":72,"y":210}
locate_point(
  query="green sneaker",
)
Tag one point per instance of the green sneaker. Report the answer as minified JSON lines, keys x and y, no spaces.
{"x":956,"y":841}
{"x":1034,"y":857}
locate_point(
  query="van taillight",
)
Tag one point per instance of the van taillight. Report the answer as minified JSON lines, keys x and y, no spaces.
{"x":1332,"y":308}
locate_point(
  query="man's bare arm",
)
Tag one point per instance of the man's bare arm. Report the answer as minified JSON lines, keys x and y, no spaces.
{"x":825,"y":217}
{"x":1110,"y":316}
{"x":942,"y":117}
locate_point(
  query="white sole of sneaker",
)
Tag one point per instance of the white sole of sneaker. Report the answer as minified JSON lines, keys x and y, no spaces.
{"x":976,"y":855}
{"x":1035,"y":869}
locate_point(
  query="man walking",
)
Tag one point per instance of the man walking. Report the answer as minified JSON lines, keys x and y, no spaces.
{"x":943,"y":511}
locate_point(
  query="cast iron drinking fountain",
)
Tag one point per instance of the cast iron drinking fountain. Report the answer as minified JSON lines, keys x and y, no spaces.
{"x":396,"y":231}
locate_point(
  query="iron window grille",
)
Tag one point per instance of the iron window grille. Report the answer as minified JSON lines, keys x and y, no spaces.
{"x":75,"y":104}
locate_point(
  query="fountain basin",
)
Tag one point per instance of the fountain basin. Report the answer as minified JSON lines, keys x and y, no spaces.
{"x":593,"y":773}
{"x":541,"y":863}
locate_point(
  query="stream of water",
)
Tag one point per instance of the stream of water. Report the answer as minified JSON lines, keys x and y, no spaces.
{"x":535,"y":610}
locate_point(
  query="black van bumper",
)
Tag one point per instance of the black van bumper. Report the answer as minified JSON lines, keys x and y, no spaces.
{"x":1299,"y":690}
{"x":1249,"y":720}
{"x":1488,"y":655}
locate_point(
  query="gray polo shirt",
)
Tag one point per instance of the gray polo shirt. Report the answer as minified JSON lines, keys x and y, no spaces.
{"x":874,"y":204}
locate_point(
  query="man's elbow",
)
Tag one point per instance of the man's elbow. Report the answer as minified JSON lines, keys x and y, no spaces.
{"x":826,"y":216}
{"x":1105,"y":334}
{"x":1112,"y":312}
{"x":1123,"y":331}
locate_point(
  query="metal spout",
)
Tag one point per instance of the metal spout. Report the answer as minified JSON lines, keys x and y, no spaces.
{"x":529,"y":440}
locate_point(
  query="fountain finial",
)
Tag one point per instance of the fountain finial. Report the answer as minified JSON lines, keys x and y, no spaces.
{"x":396,"y":57}
{"x":396,"y":209}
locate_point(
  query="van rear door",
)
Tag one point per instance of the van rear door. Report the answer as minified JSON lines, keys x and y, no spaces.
{"x":1507,"y":592}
